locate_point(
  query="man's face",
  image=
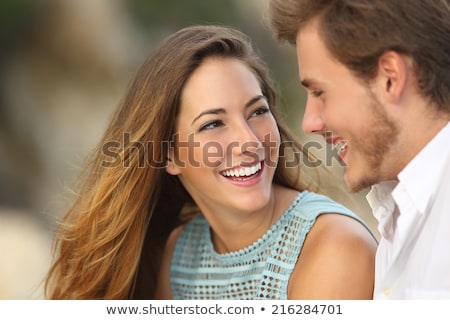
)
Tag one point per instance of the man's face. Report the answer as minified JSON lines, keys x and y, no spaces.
{"x":346,"y":112}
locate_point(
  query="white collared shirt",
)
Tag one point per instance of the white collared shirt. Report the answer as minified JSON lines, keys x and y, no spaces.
{"x":413,"y":256}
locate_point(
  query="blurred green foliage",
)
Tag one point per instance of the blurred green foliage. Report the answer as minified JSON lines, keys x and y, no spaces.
{"x":155,"y":14}
{"x":16,"y":22}
{"x":158,"y":18}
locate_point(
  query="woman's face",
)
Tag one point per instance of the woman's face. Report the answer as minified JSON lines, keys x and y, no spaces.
{"x":227,"y":141}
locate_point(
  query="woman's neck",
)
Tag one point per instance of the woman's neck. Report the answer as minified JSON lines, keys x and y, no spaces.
{"x":232,"y":231}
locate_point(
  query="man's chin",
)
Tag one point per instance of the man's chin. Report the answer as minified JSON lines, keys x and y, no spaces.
{"x":355,"y":184}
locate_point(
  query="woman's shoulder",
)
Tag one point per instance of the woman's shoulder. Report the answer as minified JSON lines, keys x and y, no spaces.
{"x":336,"y":262}
{"x":187,"y":232}
{"x":172,"y":241}
{"x":321,"y":203}
{"x":163,"y":290}
{"x":335,"y":229}
{"x":335,"y":225}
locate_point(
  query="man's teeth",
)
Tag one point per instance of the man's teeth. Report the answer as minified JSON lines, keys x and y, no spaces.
{"x":341,"y":146}
{"x":243,"y":171}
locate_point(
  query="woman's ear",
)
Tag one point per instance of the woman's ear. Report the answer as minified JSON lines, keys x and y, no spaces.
{"x":171,"y":166}
{"x":392,"y":75}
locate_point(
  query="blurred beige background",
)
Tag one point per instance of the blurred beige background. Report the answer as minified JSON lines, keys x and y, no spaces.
{"x":64,"y":66}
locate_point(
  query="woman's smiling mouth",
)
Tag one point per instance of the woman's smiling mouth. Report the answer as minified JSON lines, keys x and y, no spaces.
{"x":243,"y":173}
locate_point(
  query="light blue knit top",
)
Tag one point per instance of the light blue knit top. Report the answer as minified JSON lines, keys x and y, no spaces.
{"x":259,"y":271}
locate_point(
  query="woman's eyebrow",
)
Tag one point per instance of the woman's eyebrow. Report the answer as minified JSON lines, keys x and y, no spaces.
{"x":254,"y":100}
{"x":209,"y":111}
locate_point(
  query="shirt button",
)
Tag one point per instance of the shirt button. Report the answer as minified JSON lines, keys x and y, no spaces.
{"x":387,"y":292}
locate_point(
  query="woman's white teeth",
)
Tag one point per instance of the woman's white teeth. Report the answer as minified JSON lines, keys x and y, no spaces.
{"x":243,"y":171}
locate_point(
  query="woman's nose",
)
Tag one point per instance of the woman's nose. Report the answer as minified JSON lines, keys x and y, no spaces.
{"x":246,"y":141}
{"x":313,"y":119}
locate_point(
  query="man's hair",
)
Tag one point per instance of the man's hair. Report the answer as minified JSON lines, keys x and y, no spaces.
{"x":358,"y":32}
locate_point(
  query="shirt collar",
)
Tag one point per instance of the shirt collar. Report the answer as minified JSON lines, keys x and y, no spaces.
{"x":383,"y":205}
{"x":416,"y":178}
{"x":420,"y":178}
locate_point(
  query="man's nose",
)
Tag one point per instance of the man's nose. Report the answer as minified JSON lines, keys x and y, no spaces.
{"x":312,"y":119}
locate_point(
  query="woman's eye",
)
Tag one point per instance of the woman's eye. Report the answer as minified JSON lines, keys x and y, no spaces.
{"x":211,"y":125}
{"x":260,"y":111}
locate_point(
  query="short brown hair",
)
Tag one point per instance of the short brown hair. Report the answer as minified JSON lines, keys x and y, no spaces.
{"x":358,"y":32}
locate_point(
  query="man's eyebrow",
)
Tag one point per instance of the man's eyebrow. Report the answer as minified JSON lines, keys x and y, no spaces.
{"x":222,"y":110}
{"x":306,"y":82}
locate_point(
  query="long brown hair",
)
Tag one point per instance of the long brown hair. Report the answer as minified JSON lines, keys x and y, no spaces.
{"x":358,"y":32}
{"x":109,"y":244}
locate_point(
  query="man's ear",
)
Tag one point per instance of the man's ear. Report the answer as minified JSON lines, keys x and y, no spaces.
{"x":171,"y":166}
{"x":392,"y":75}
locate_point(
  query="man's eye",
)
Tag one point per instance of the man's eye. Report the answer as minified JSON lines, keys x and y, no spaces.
{"x":316,"y":93}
